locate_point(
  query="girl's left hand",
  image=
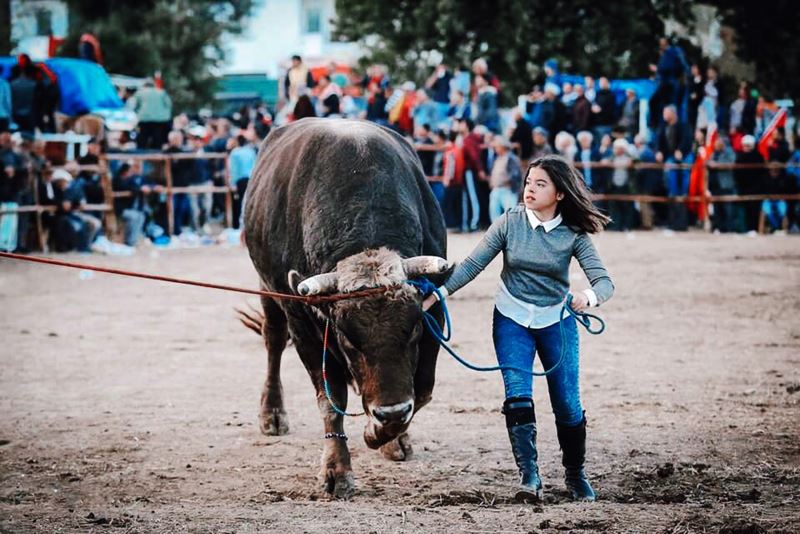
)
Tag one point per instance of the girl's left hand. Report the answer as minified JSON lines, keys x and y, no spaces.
{"x":579,"y":301}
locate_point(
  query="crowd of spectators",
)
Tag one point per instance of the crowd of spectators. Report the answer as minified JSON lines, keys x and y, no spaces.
{"x":473,"y":151}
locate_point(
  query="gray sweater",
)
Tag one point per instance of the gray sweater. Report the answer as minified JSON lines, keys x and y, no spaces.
{"x":535,"y":262}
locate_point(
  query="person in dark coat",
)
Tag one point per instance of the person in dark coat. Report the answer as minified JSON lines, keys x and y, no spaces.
{"x":750,"y":181}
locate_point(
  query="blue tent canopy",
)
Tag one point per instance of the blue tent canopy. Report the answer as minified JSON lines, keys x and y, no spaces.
{"x":84,"y":85}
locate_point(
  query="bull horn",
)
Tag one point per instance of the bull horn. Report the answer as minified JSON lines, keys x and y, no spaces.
{"x":316,"y":285}
{"x":422,"y":265}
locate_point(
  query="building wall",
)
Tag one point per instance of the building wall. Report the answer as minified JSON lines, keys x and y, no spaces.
{"x":32,"y":21}
{"x":281,"y":28}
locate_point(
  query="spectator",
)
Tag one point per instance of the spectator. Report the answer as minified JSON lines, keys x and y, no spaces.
{"x":487,"y":114}
{"x":629,"y":120}
{"x":32,"y":165}
{"x":695,"y":87}
{"x":423,"y":112}
{"x":11,"y":183}
{"x":481,"y":68}
{"x":604,"y":112}
{"x":558,"y":122}
{"x":581,"y":111}
{"x":182,"y":171}
{"x":74,"y":229}
{"x":435,"y":179}
{"x":565,"y":145}
{"x":242,"y":161}
{"x":25,"y":95}
{"x":621,"y":211}
{"x":132,"y":208}
{"x":473,"y":171}
{"x":303,"y":108}
{"x":459,"y":109}
{"x":674,"y":144}
{"x":588,"y":89}
{"x":522,"y":137}
{"x":423,"y":141}
{"x":540,"y":145}
{"x":376,"y":84}
{"x":707,"y":114}
{"x":750,"y":181}
{"x":5,"y":105}
{"x":649,"y":181}
{"x":505,"y":179}
{"x":586,"y":156}
{"x":438,"y":83}
{"x":91,"y":180}
{"x":721,"y":182}
{"x":453,"y":179}
{"x":202,"y":204}
{"x":298,"y":80}
{"x":670,"y":69}
{"x":329,"y":97}
{"x":153,"y":106}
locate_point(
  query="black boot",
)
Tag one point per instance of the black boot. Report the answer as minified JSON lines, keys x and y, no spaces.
{"x":573,"y":446}
{"x":521,"y":424}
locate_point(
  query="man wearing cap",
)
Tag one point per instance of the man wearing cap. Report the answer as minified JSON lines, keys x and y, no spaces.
{"x":74,"y":229}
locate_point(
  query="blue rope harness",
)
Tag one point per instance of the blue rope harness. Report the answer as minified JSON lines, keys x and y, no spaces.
{"x":426,"y":287}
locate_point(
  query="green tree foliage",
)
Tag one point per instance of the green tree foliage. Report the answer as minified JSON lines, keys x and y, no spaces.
{"x":618,"y":38}
{"x":765,"y":34}
{"x":180,"y":38}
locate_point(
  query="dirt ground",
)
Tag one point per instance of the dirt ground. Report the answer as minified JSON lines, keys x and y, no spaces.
{"x":131,"y":406}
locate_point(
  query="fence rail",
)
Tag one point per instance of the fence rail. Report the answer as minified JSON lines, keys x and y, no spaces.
{"x":170,"y":190}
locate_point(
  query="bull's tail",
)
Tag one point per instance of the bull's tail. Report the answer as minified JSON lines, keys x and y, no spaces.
{"x":251,"y":318}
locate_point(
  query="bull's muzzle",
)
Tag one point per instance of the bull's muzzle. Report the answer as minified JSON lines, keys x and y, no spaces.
{"x":399,"y":413}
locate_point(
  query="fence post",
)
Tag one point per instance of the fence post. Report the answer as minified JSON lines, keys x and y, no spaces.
{"x":170,"y":207}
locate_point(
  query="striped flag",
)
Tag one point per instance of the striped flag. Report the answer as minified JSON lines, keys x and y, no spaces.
{"x":766,"y":138}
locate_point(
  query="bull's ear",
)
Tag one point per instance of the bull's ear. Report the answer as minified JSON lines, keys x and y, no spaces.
{"x":294,"y":279}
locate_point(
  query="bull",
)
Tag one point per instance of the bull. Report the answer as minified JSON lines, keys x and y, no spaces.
{"x":336,"y":206}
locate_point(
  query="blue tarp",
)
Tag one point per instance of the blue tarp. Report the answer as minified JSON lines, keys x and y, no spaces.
{"x":84,"y":86}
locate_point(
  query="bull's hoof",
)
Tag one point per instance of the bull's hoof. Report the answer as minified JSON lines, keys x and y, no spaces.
{"x":399,"y":449}
{"x":273,"y":422}
{"x":338,"y":485}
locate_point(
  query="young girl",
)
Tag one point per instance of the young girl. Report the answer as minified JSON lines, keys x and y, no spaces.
{"x":538,"y":240}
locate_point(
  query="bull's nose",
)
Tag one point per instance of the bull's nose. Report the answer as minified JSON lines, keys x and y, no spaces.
{"x":394,"y":413}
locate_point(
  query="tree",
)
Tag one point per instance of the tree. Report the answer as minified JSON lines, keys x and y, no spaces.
{"x":180,"y":38}
{"x":765,"y":34}
{"x":617,"y":39}
{"x":5,"y":27}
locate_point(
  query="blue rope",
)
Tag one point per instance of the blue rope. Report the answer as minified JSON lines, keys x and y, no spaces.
{"x":426,"y":287}
{"x":325,"y":385}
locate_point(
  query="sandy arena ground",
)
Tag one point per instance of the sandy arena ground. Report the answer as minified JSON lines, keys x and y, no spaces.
{"x":131,"y":406}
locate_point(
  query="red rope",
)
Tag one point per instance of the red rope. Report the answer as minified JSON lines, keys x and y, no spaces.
{"x":314,"y":299}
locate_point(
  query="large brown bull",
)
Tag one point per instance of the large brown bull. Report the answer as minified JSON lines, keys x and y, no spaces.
{"x":338,"y":206}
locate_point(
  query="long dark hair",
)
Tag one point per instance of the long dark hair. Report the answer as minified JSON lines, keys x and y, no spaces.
{"x":576,"y":208}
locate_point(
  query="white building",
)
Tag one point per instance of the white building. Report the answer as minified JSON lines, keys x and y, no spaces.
{"x":279,"y":29}
{"x":34,"y":21}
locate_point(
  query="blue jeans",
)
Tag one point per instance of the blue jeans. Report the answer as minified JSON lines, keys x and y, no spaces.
{"x":500,"y":200}
{"x":516,"y":345}
{"x":678,"y":179}
{"x":470,"y":213}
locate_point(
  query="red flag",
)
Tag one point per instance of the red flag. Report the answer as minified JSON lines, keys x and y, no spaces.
{"x":766,"y":138}
{"x":697,"y":179}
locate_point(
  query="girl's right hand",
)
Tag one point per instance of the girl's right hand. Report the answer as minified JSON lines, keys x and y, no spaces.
{"x":429,"y":301}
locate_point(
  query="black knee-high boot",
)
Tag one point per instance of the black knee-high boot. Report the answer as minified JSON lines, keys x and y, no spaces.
{"x":521,"y":424}
{"x":573,"y":447}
